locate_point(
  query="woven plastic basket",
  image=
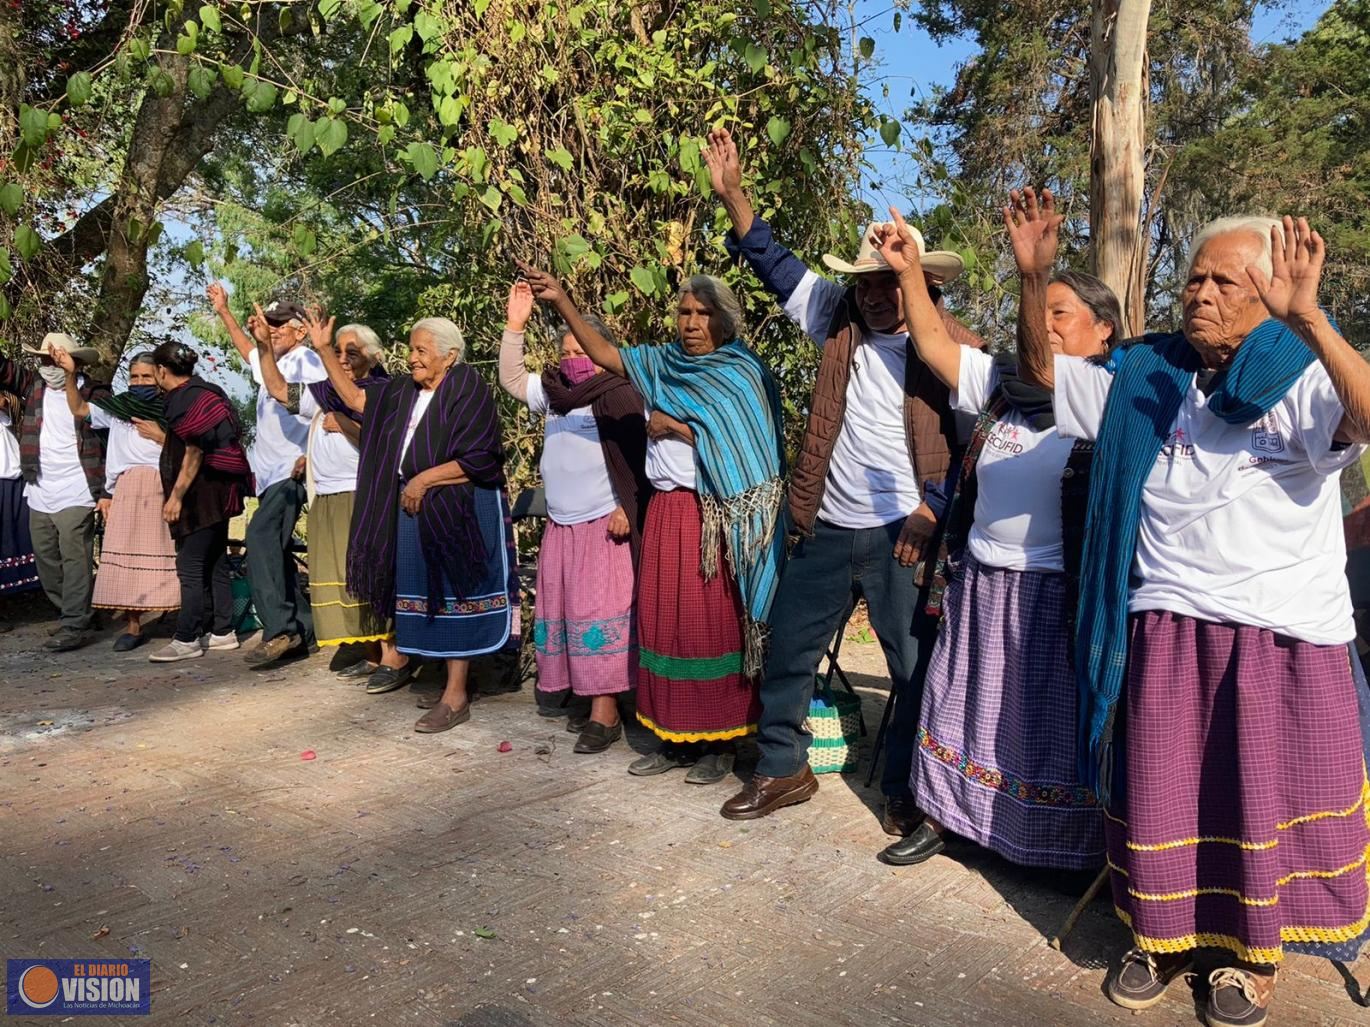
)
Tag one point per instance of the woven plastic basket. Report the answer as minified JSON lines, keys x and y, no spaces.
{"x":834,"y":720}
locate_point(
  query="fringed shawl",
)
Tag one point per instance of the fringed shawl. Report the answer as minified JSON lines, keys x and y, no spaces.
{"x":461,"y":424}
{"x":730,"y":401}
{"x":622,"y":428}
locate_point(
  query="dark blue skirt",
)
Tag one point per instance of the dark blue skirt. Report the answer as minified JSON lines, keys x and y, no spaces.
{"x":464,"y":626}
{"x":18,"y":573}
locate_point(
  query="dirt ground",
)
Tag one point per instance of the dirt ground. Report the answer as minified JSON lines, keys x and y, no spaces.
{"x":166,"y":812}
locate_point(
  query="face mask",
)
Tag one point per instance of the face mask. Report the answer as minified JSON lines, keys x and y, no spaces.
{"x":53,"y":376}
{"x":577,"y":369}
{"x":147,"y":393}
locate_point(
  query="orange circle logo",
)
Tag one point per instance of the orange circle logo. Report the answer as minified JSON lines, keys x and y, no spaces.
{"x":38,"y":987}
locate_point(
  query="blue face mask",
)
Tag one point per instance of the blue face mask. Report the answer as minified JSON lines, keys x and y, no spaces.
{"x":147,"y":393}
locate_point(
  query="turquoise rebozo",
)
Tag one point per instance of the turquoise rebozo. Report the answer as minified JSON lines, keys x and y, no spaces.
{"x":1152,"y":377}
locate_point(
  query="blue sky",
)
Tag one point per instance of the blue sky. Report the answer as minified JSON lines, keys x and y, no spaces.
{"x":911,"y":64}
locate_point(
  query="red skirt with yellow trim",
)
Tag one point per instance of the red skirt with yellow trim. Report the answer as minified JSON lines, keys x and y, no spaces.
{"x":1241,"y":821}
{"x":690,"y":682}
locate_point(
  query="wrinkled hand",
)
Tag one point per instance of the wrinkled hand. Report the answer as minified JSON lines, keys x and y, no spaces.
{"x":62,"y":359}
{"x":102,"y":507}
{"x":660,"y":425}
{"x":520,"y":307}
{"x":330,"y":422}
{"x":1033,"y":229}
{"x":618,"y":525}
{"x":725,"y":168}
{"x":218,"y":297}
{"x":171,"y":510}
{"x":1297,"y":253}
{"x":150,"y":430}
{"x":320,"y":333}
{"x":544,"y":287}
{"x":918,"y":528}
{"x":412,"y":496}
{"x":257,"y":326}
{"x":297,"y":472}
{"x":897,"y":245}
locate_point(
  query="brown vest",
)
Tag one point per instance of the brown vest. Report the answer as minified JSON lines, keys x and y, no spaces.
{"x":929,"y":427}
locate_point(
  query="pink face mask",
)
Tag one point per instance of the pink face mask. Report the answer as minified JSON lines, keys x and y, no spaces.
{"x":577,"y":369}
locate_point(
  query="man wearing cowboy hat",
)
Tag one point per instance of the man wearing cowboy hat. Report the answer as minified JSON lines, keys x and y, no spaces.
{"x":62,"y":459}
{"x":277,"y":457}
{"x":866,"y":491}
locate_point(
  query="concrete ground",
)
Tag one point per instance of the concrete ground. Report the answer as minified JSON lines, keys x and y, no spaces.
{"x":166,"y":812}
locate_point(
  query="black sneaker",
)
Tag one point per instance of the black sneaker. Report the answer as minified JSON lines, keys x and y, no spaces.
{"x":1142,"y":978}
{"x":1237,"y":998}
{"x":66,"y":640}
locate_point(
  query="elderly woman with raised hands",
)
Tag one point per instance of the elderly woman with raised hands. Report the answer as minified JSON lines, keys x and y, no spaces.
{"x":431,"y":541}
{"x":593,"y":470}
{"x":995,"y":759}
{"x":351,"y":356}
{"x":714,"y":541}
{"x":137,"y":574}
{"x":1219,"y":708}
{"x":205,"y":479}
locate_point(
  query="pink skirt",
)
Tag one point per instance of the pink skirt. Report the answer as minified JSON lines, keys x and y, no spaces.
{"x":137,"y":558}
{"x":585,"y":635}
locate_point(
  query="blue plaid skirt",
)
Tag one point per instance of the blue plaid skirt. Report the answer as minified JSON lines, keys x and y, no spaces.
{"x":464,"y":626}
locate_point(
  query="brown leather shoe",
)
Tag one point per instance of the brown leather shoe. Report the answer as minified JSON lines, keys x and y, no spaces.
{"x":902,"y":816}
{"x":442,"y":718}
{"x":764,"y":795}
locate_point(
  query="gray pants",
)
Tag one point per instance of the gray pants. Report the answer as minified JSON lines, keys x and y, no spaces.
{"x":63,"y":548}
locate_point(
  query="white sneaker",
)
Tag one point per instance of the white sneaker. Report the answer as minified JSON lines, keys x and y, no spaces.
{"x":177,"y":650}
{"x":220,"y":642}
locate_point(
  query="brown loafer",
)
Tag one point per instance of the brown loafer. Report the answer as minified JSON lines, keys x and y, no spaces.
{"x":442,"y":718}
{"x":902,"y":816}
{"x":764,"y":795}
{"x":427,"y":700}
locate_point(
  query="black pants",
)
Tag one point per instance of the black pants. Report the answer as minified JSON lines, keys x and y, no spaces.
{"x":206,"y":594}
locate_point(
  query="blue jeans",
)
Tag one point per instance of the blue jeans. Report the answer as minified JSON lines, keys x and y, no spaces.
{"x":824,"y":572}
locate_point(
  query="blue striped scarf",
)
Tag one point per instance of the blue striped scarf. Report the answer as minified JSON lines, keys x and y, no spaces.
{"x":730,"y":401}
{"x":1151,"y":381}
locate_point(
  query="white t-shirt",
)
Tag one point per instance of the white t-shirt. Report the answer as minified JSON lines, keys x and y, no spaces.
{"x":125,"y":449}
{"x":871,"y":480}
{"x":670,"y":462}
{"x":574,"y":473}
{"x":1239,"y":524}
{"x":281,"y":436}
{"x":9,"y":449}
{"x":62,"y":480}
{"x":421,"y":402}
{"x":1018,"y":501}
{"x":333,"y":457}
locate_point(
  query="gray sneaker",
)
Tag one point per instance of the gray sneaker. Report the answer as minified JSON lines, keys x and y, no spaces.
{"x":219,"y":643}
{"x":175,"y":651}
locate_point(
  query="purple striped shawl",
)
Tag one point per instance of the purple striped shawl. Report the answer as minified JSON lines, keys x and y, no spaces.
{"x":461,"y":424}
{"x":331,"y":403}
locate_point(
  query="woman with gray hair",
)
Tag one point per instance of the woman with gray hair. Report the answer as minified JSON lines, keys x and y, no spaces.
{"x":353,"y":355}
{"x":431,"y":543}
{"x":1218,"y":698}
{"x":714,"y":541}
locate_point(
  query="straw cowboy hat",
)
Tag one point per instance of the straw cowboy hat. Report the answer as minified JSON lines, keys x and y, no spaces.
{"x":80,"y":354}
{"x":940,"y":265}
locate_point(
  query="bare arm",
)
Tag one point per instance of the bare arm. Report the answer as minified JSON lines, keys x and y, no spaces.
{"x":450,"y":473}
{"x":321,"y":338}
{"x":725,"y":174}
{"x":1032,"y":230}
{"x":78,"y":406}
{"x":547,"y":289}
{"x":190,"y":467}
{"x":1291,"y":295}
{"x":272,"y":380}
{"x":218,"y":299}
{"x":660,"y":425}
{"x":350,"y":430}
{"x":934,"y":343}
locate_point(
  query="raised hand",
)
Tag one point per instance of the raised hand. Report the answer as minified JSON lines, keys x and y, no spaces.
{"x":725,"y":169}
{"x":218,"y":297}
{"x":62,"y":359}
{"x":257,"y":326}
{"x":897,"y":244}
{"x":1033,"y":229}
{"x":1297,"y":254}
{"x":520,"y":307}
{"x":320,"y":334}
{"x":544,"y":287}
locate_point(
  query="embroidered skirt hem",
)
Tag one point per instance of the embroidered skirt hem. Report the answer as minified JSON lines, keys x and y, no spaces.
{"x":137,"y":557}
{"x":339,"y":618}
{"x":18,"y":571}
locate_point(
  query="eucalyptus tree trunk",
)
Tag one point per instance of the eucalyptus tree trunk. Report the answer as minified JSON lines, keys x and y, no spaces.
{"x":1118,"y":87}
